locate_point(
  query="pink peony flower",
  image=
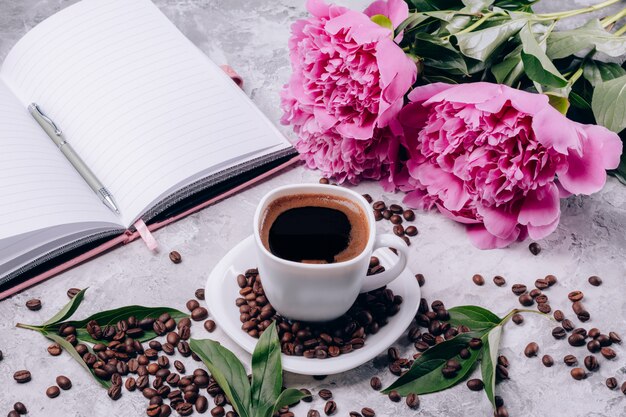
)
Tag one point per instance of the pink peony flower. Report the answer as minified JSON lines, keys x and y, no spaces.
{"x":498,"y":159}
{"x":348,"y":85}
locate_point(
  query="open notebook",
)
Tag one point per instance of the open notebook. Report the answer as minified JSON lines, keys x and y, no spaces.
{"x":155,"y":120}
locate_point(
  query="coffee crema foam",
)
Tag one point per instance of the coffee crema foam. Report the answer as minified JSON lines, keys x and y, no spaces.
{"x":357,"y":218}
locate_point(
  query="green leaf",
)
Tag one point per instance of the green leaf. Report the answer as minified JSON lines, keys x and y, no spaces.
{"x":383,"y":21}
{"x":425,"y":375}
{"x":579,"y":102}
{"x":430,"y":5}
{"x":67,"y":346}
{"x":562,"y":44}
{"x":509,"y":70}
{"x":558,"y":102}
{"x":228,"y":372}
{"x":111,"y":317}
{"x":609,"y":104}
{"x":267,"y":372}
{"x":516,"y":5}
{"x":410,"y":22}
{"x":596,"y":72}
{"x":67,"y":311}
{"x":439,"y":54}
{"x":289,"y":396}
{"x":491,"y":343}
{"x":620,"y":172}
{"x":537,"y":65}
{"x":481,"y":44}
{"x":474,"y":317}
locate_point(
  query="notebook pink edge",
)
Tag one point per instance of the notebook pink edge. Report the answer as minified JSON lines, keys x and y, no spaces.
{"x":129,"y":236}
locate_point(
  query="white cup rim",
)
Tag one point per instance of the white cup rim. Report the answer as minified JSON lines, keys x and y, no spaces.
{"x":312,"y":188}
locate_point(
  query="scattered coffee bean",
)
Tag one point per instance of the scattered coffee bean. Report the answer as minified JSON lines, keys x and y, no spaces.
{"x":20,"y":408}
{"x":534,"y":293}
{"x":570,"y":360}
{"x":420,"y":279}
{"x":330,"y":408}
{"x":526,"y":300}
{"x":53,"y":391}
{"x":71,"y":293}
{"x":22,"y":377}
{"x":395,"y":219}
{"x":591,"y":363}
{"x":531,"y":350}
{"x":411,"y":231}
{"x":376,"y":383}
{"x":547,"y":360}
{"x":559,"y":332}
{"x":55,"y":349}
{"x":192,"y":305}
{"x":475,"y":343}
{"x":325,"y":394}
{"x":175,"y":257}
{"x":575,"y":296}
{"x":551,"y":279}
{"x":541,"y":284}
{"x":534,"y":248}
{"x":412,"y":401}
{"x":209,"y":326}
{"x":33,"y":304}
{"x":611,"y":383}
{"x":567,"y":325}
{"x":199,"y":294}
{"x":394,"y":396}
{"x":396,"y":209}
{"x":544,"y":308}
{"x":623,"y":388}
{"x":576,"y":339}
{"x":517,"y":318}
{"x":368,"y":412}
{"x":502,"y":360}
{"x":518,"y":289}
{"x":595,"y":280}
{"x":614,"y":337}
{"x":13,"y":413}
{"x":478,"y":279}
{"x":578,"y":374}
{"x":558,"y":315}
{"x":1,"y":355}
{"x":387,"y":214}
{"x":64,"y":382}
{"x":608,"y":353}
{"x":499,"y":281}
{"x":313,"y":413}
{"x":355,"y":414}
{"x":324,"y":181}
{"x":475,"y":384}
{"x":199,"y":314}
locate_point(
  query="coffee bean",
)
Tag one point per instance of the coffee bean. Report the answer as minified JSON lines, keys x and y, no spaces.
{"x":71,"y":293}
{"x":475,"y":384}
{"x":22,"y":377}
{"x":154,"y":410}
{"x":502,"y":360}
{"x":535,"y":292}
{"x":541,"y":299}
{"x":1,"y":355}
{"x":567,"y":325}
{"x":53,"y":391}
{"x":64,"y":382}
{"x":531,"y":350}
{"x":559,"y":332}
{"x":501,"y":412}
{"x":517,"y":318}
{"x":192,"y":305}
{"x":378,"y":216}
{"x":411,"y":231}
{"x":526,"y":300}
{"x":351,"y":414}
{"x":608,"y":353}
{"x":376,"y":383}
{"x":199,"y":314}
{"x":595,"y":280}
{"x":558,"y":315}
{"x":478,"y":279}
{"x":580,"y":311}
{"x":325,"y":394}
{"x":324,"y":181}
{"x":499,"y":281}
{"x":55,"y":349}
{"x":398,"y":230}
{"x":396,"y":209}
{"x":379,"y":205}
{"x":175,"y":257}
{"x":501,"y":373}
{"x":395,"y":219}
{"x":623,"y":388}
{"x":394,"y":396}
{"x":576,"y":339}
{"x":313,"y":413}
{"x":20,"y":408}
{"x":330,"y":408}
{"x":412,"y":401}
{"x":201,"y":404}
{"x":475,"y":343}
{"x":518,"y":289}
{"x":534,"y":248}
{"x":199,"y":294}
{"x":209,"y":326}
{"x":604,"y":340}
{"x":13,"y":413}
{"x":544,"y":308}
{"x":591,"y":363}
{"x":551,"y":279}
{"x":611,"y":383}
{"x":570,"y":360}
{"x":547,"y":360}
{"x":578,"y":374}
{"x":33,"y":304}
{"x":541,"y":284}
{"x":575,"y":296}
{"x":368,"y":198}
{"x":421,"y":281}
{"x":409,"y":215}
{"x":614,"y":337}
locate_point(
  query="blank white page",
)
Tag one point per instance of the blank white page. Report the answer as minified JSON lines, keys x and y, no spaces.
{"x":139,"y":102}
{"x":38,"y":187}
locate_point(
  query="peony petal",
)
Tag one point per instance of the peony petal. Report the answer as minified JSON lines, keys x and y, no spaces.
{"x":396,"y":10}
{"x":318,"y":8}
{"x":359,"y":26}
{"x":446,"y":186}
{"x":539,"y":232}
{"x":482,"y":239}
{"x":553,"y":130}
{"x":457,"y":217}
{"x":541,"y":207}
{"x":499,"y":221}
{"x":607,"y":143}
{"x":425,"y":92}
{"x":470,"y":93}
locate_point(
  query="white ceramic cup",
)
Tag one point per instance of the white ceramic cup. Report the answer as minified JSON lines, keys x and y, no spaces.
{"x":322,"y":292}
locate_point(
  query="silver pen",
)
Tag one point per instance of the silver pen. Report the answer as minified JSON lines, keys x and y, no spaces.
{"x":57,"y":137}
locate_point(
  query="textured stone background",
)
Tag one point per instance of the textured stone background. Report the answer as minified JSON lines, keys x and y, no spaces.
{"x":252,"y":36}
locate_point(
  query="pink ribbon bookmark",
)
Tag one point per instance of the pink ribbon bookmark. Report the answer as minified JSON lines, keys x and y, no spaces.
{"x":145,"y":234}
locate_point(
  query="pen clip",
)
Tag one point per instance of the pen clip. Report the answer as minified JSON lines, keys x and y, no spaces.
{"x":34,"y":108}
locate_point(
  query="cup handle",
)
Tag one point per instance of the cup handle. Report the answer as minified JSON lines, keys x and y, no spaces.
{"x":373,"y":282}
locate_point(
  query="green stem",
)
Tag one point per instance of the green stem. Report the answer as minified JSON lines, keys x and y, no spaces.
{"x":575,"y":76}
{"x":570,"y":13}
{"x":473,"y":26}
{"x":620,"y":31}
{"x":29,"y":327}
{"x":609,"y":20}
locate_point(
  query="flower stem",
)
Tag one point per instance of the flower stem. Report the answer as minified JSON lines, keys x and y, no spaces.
{"x":575,"y":76}
{"x":473,"y":26}
{"x":609,"y":20}
{"x":29,"y":327}
{"x":620,"y":31}
{"x":576,"y":12}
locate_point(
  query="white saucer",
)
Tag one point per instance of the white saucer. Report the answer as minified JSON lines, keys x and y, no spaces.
{"x":222,"y":290}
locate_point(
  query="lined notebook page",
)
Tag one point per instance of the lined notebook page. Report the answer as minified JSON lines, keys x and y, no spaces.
{"x":139,"y":102}
{"x":38,"y":188}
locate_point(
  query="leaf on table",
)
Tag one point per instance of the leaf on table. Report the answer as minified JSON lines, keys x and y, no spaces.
{"x":67,"y":346}
{"x":537,"y":65}
{"x":562,"y":44}
{"x":228,"y":372}
{"x":438,"y":54}
{"x":609,"y":104}
{"x":425,"y":375}
{"x":489,"y":358}
{"x":480,"y":44}
{"x":289,"y":396}
{"x":267,"y":372}
{"x":67,"y":311}
{"x":474,"y":317}
{"x":597,"y":72}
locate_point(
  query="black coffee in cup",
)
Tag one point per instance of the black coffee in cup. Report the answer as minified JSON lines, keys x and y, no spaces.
{"x":314,"y":228}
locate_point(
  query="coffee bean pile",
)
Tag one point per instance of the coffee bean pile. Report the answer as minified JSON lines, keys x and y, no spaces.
{"x":349,"y":332}
{"x":395,"y":214}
